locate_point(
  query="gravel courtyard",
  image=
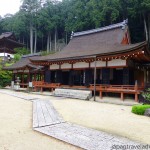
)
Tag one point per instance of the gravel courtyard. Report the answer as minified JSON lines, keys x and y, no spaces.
{"x":16,"y":122}
{"x":16,"y":128}
{"x":115,"y":119}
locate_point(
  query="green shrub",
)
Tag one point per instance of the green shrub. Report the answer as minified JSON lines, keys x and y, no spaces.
{"x":139,"y":109}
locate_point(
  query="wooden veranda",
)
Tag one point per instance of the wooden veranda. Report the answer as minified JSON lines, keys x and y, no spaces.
{"x":101,"y":88}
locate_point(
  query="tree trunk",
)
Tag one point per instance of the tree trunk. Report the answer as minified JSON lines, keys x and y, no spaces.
{"x":55,"y":39}
{"x":149,"y":28}
{"x":42,"y":41}
{"x":35,"y":42}
{"x":145,"y":27}
{"x":66,"y":39}
{"x":23,"y":40}
{"x":48,"y":43}
{"x":31,"y":38}
{"x":50,"y":40}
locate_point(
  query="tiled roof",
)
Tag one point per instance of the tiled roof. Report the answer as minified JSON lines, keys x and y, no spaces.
{"x":6,"y":35}
{"x":102,"y":41}
{"x":23,"y":63}
{"x":110,"y":27}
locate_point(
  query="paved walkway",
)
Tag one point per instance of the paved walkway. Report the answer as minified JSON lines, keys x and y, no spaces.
{"x":44,"y":114}
{"x":50,"y":123}
{"x":47,"y":121}
{"x":17,"y":94}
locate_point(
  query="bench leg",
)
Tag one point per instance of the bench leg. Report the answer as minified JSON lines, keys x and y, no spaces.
{"x":122,"y":96}
{"x":100,"y":94}
{"x":41,"y":89}
{"x":136,"y":97}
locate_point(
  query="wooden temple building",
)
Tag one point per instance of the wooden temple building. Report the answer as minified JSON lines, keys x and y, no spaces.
{"x":101,"y":60}
{"x":7,"y":44}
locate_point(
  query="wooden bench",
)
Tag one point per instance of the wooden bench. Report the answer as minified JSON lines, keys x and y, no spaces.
{"x":42,"y":85}
{"x":122,"y":89}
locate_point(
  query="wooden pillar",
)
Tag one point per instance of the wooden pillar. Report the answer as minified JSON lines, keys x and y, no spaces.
{"x":101,"y":94}
{"x":136,"y":97}
{"x":122,"y":96}
{"x":95,"y":70}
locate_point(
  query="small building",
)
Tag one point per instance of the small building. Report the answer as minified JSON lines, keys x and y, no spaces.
{"x":101,"y":59}
{"x":26,"y":71}
{"x":7,"y":44}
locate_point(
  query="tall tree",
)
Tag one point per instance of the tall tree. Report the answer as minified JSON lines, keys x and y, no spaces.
{"x":30,"y":8}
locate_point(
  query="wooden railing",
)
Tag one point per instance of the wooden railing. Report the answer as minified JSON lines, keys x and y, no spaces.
{"x":42,"y":85}
{"x":122,"y":89}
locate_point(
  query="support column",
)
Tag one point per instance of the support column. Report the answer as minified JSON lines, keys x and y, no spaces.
{"x":122,"y":96}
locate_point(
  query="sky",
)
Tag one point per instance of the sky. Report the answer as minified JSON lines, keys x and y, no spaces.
{"x":9,"y":6}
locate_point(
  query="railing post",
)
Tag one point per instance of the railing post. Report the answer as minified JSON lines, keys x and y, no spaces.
{"x":95,"y":80}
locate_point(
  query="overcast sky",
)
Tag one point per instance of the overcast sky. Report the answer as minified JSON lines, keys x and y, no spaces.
{"x":9,"y":6}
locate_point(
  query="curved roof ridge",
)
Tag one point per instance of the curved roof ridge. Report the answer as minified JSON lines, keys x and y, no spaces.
{"x":110,"y":27}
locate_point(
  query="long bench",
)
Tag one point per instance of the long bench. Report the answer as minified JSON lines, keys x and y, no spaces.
{"x":122,"y":89}
{"x":42,"y":85}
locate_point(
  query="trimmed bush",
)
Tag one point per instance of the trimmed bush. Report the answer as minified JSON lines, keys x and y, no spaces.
{"x":139,"y":109}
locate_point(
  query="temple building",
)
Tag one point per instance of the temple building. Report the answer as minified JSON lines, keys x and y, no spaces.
{"x":7,"y":44}
{"x":101,"y":59}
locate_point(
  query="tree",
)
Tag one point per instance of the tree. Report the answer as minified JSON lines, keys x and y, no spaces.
{"x":142,"y":8}
{"x":30,"y":8}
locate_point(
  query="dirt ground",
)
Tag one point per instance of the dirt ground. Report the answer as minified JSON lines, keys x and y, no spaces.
{"x":16,"y":122}
{"x":16,"y":128}
{"x":115,"y":119}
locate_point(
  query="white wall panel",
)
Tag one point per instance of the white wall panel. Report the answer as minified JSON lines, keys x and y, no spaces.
{"x":54,"y":66}
{"x":99,"y":64}
{"x":66,"y":66}
{"x":81,"y":65}
{"x":117,"y":62}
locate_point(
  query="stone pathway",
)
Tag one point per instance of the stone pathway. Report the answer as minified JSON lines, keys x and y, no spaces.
{"x":46,"y":120}
{"x":44,"y":114}
{"x":17,"y":94}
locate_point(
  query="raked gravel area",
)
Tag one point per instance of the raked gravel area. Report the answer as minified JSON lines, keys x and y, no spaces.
{"x":69,"y":105}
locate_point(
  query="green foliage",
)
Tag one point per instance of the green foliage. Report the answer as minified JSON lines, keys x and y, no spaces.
{"x":17,"y":57}
{"x":139,"y":109}
{"x":5,"y":76}
{"x":45,"y":17}
{"x":22,"y":51}
{"x":45,"y":53}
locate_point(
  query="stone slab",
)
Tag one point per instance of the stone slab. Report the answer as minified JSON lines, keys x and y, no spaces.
{"x":71,"y":93}
{"x":44,"y":114}
{"x":83,"y":137}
